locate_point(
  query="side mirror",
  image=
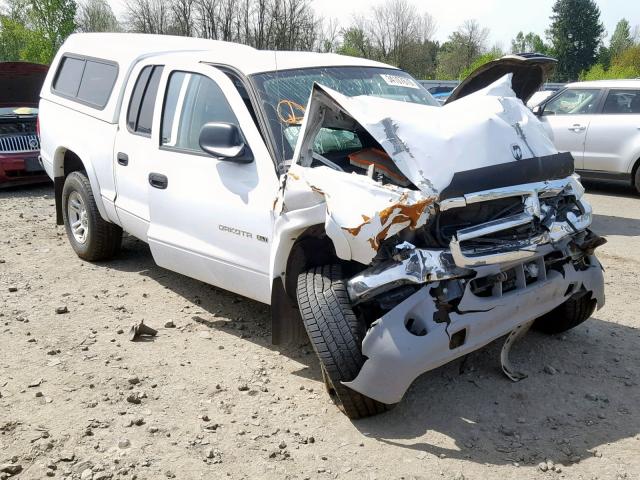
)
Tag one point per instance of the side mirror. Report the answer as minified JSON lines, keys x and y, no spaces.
{"x":537,"y":110}
{"x":224,"y":141}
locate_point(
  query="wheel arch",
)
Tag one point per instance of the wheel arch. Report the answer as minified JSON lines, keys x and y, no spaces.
{"x":634,"y":171}
{"x":66,"y":161}
{"x":301,"y":243}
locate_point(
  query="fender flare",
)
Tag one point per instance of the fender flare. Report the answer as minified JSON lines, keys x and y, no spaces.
{"x":286,"y":322}
{"x":60,"y":176}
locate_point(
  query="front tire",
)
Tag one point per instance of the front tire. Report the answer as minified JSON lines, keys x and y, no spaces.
{"x":336,"y":334}
{"x":569,"y":315}
{"x":90,"y":236}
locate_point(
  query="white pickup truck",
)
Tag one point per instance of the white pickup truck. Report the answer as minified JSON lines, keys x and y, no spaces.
{"x":399,"y":234}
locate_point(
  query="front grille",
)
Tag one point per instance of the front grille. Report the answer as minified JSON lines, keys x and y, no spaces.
{"x":451,"y":221}
{"x":19,"y":143}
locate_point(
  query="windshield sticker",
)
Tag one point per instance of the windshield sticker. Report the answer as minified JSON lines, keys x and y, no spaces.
{"x":398,"y":81}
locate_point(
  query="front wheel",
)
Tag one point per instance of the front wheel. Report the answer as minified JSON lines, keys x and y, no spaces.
{"x":336,"y":334}
{"x":91,"y":237}
{"x":569,"y":315}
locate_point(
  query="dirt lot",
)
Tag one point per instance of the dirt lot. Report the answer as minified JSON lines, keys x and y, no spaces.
{"x":211,"y":398}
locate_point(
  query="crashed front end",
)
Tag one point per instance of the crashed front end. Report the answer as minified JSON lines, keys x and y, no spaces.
{"x":486,"y":230}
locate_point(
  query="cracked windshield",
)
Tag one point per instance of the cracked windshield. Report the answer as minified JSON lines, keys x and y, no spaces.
{"x":284,"y":95}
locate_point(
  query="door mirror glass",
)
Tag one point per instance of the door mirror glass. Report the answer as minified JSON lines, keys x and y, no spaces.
{"x":224,"y":141}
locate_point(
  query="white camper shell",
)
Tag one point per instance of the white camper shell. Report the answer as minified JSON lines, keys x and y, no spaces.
{"x":398,"y":234}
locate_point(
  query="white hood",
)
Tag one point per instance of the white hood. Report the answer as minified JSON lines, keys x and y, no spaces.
{"x":430,"y":144}
{"x":490,"y":129}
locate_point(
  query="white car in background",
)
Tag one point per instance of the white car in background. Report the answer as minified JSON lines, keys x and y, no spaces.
{"x":599,"y":123}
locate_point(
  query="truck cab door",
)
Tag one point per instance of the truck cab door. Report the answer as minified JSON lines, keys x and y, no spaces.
{"x":133,"y":144}
{"x":210,"y":217}
{"x":566,"y":118}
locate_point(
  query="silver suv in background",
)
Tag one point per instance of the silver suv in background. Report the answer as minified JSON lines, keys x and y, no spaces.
{"x":599,"y":123}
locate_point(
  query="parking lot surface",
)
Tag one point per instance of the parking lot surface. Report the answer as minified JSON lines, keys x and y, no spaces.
{"x":210,"y":397}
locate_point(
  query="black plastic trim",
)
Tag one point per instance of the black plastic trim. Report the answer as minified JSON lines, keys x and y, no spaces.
{"x":536,"y":169}
{"x":58,"y":184}
{"x":600,"y":174}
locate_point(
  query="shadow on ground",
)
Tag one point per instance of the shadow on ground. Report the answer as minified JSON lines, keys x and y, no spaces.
{"x":487,"y":418}
{"x":610,"y":188}
{"x":472,"y":413}
{"x":26,"y":191}
{"x":564,"y":416}
{"x":612,"y":225}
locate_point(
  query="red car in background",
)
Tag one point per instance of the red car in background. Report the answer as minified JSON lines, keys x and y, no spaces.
{"x":20,"y":84}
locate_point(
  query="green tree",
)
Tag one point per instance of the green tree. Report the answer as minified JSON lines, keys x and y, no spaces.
{"x":531,"y":42}
{"x":96,"y":16}
{"x":480,"y":61}
{"x":355,"y":43}
{"x":33,"y":30}
{"x":463,"y":47}
{"x":54,"y":20}
{"x":621,"y":38}
{"x":13,"y":39}
{"x":625,"y":65}
{"x":575,"y":35}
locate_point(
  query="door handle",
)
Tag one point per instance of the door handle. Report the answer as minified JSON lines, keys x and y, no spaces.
{"x":577,"y":128}
{"x":123,"y":159}
{"x":157,"y":180}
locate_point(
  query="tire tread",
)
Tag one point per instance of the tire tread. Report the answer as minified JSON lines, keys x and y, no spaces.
{"x":106,"y":237}
{"x":336,"y":335}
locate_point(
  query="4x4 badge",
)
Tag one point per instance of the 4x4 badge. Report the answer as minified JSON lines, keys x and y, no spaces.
{"x":516,"y":151}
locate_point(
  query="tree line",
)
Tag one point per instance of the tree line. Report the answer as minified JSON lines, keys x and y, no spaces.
{"x":391,"y":31}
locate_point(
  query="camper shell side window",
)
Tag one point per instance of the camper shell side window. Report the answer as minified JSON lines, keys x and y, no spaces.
{"x":85,"y":80}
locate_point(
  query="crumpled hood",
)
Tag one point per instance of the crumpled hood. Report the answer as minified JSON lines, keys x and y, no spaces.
{"x":431,"y":144}
{"x":485,"y":140}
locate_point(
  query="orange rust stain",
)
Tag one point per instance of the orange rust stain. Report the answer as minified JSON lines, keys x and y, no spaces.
{"x":382,"y":235}
{"x":412,"y":211}
{"x":294,"y":176}
{"x":394,"y":214}
{"x":356,"y":230}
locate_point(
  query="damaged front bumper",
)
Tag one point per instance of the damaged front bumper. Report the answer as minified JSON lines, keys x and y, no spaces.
{"x":480,"y":288}
{"x":414,"y":337}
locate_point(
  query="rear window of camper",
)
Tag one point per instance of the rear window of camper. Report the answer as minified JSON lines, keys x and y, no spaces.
{"x":85,"y":80}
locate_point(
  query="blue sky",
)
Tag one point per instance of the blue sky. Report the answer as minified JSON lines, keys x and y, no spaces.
{"x":504,"y":18}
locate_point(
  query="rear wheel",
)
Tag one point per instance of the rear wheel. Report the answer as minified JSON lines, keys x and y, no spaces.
{"x":336,"y":334}
{"x":91,"y":237}
{"x":570,"y":314}
{"x":636,"y":180}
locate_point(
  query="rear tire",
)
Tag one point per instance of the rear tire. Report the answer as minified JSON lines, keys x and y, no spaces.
{"x":336,"y":335}
{"x":90,"y":236}
{"x":570,"y":314}
{"x":636,"y":180}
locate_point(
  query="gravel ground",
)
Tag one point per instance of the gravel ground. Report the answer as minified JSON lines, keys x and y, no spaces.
{"x":209,"y":397}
